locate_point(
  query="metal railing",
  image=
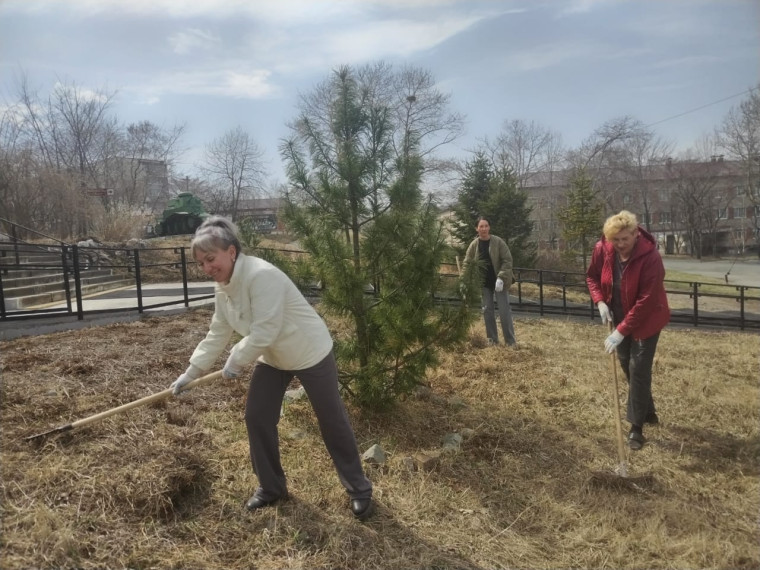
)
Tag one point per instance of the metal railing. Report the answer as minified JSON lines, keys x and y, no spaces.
{"x":68,"y":279}
{"x":16,"y":239}
{"x":545,"y":292}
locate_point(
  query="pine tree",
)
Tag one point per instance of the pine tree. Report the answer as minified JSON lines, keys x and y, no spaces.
{"x":364,"y":236}
{"x":507,"y":209}
{"x":473,"y":192}
{"x":493,"y":193}
{"x":582,"y":218}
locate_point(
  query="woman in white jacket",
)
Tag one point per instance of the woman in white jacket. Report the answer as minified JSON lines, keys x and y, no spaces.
{"x":285,"y":337}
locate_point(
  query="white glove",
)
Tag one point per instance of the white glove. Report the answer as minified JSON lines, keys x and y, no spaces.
{"x":499,"y":285}
{"x":612,"y":341}
{"x":604,"y":312}
{"x":186,"y":377}
{"x":231,"y":368}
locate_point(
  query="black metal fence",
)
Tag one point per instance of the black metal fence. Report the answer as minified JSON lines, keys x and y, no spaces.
{"x":140,"y":271}
{"x":39,"y":281}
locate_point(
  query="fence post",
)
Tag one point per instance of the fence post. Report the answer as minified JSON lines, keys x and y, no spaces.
{"x":77,"y":282}
{"x":741,"y":306}
{"x":2,"y":297}
{"x":66,"y":284}
{"x":138,"y":281}
{"x":519,"y":288}
{"x":541,"y":292}
{"x":184,"y":275}
{"x":15,"y":243}
{"x":695,"y":288}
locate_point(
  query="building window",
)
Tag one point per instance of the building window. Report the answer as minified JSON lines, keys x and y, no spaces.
{"x":627,"y":199}
{"x":664,"y":195}
{"x":722,"y":213}
{"x":739,"y":212}
{"x":665,"y":217}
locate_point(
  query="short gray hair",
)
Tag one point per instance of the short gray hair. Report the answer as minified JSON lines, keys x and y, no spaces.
{"x":216,"y":232}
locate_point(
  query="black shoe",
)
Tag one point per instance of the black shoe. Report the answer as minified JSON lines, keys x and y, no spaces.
{"x":362,"y":508}
{"x":652,"y":419}
{"x":259,"y":503}
{"x":635,"y":440}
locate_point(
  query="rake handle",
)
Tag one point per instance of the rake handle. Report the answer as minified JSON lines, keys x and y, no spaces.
{"x":615,"y":398}
{"x":128,"y":406}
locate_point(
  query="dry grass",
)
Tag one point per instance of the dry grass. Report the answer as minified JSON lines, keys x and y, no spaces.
{"x":163,"y":486}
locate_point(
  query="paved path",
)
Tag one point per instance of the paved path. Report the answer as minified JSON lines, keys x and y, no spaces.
{"x":111,"y":306}
{"x":740,"y":272}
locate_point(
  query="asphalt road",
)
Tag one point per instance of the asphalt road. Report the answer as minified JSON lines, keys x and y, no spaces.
{"x":740,"y":272}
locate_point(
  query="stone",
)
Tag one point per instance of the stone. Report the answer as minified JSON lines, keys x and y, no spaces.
{"x":427,"y":461}
{"x":295,"y":395}
{"x":374,"y":455}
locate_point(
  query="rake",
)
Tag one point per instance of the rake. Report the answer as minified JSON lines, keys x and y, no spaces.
{"x":124,"y":407}
{"x":620,"y":477}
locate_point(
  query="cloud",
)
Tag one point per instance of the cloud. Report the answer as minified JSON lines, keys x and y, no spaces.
{"x":273,"y":10}
{"x":192,"y":39}
{"x":235,"y":83}
{"x":688,"y":61}
{"x":547,"y":55}
{"x":393,"y":38}
{"x":583,"y":6}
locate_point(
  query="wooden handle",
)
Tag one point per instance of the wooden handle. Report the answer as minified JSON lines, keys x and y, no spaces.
{"x":615,"y":398}
{"x":618,"y":428}
{"x":146,"y":400}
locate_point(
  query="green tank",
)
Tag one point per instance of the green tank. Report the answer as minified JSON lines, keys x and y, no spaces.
{"x":182,"y":215}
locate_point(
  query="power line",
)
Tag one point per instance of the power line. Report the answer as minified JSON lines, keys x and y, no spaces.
{"x":703,"y":106}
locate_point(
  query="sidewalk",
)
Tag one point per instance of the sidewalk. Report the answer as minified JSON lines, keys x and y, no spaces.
{"x":742,"y":271}
{"x":152,"y":294}
{"x":113,"y":307}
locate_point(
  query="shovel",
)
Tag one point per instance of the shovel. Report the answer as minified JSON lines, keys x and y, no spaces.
{"x":124,"y":407}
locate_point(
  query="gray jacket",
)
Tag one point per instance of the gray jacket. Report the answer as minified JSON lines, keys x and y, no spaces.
{"x":501,"y":257}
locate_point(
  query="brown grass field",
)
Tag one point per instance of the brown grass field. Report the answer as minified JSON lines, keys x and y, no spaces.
{"x":163,"y":486}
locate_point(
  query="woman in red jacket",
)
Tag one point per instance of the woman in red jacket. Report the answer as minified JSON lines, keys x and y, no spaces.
{"x":626,"y":281}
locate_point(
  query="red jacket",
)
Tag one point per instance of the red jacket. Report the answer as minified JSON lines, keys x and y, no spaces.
{"x":642,"y":288}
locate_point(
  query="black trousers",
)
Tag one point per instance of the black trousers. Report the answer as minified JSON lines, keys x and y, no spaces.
{"x":262,"y":414}
{"x":636,"y":358}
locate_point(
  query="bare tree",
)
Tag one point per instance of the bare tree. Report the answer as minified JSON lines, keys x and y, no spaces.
{"x":739,"y":136}
{"x":66,"y":137}
{"x":423,"y":122}
{"x":145,"y":143}
{"x":75,"y":120}
{"x":525,"y":149}
{"x":602,"y":156}
{"x":644,"y":152}
{"x":234,"y":164}
{"x":697,"y":204}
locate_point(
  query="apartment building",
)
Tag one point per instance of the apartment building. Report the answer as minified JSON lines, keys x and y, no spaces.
{"x":686,"y":205}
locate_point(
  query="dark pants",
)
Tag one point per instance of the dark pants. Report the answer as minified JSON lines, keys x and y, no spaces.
{"x":262,"y":414}
{"x":636,"y":358}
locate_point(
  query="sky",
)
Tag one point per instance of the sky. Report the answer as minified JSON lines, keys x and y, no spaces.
{"x":569,"y":65}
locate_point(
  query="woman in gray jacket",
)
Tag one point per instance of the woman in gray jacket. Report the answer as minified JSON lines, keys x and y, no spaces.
{"x":496,"y":258}
{"x":285,"y":337}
